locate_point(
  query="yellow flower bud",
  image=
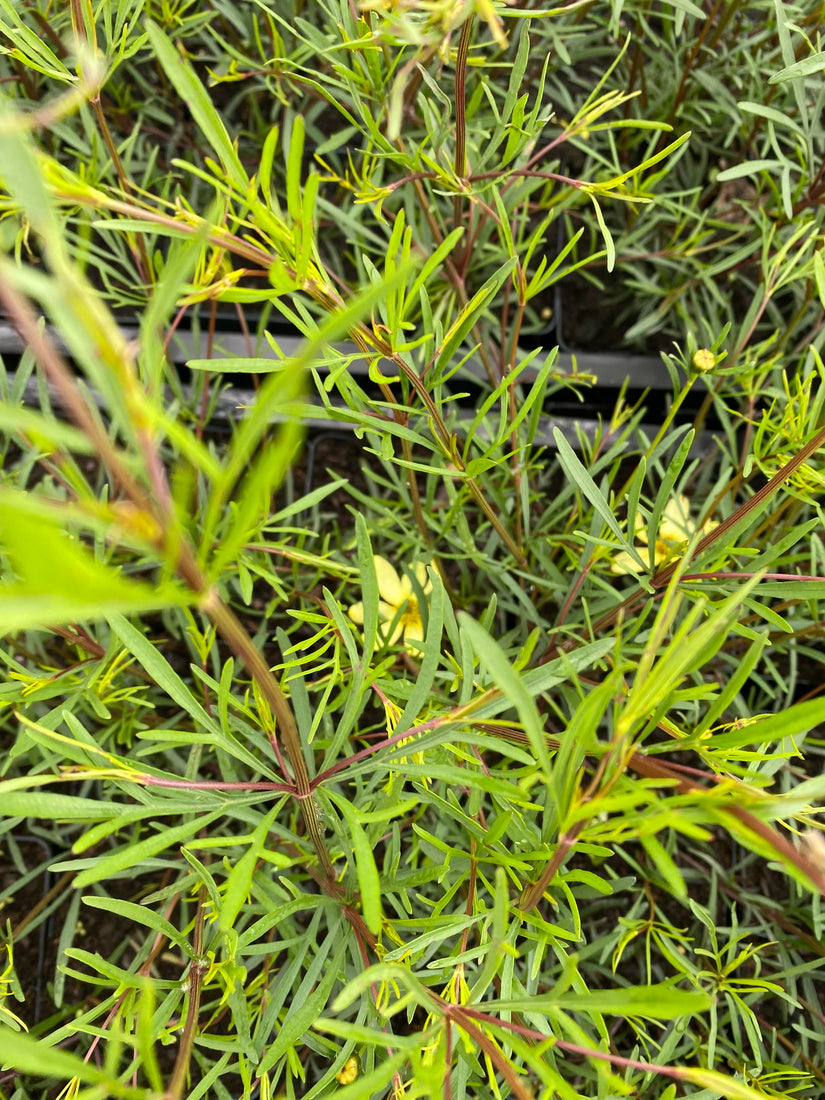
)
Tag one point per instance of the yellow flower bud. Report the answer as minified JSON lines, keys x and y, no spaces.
{"x":349,"y":1073}
{"x":704,"y":360}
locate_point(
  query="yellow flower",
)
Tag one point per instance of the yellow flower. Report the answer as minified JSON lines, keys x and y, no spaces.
{"x":398,"y":610}
{"x":704,"y":360}
{"x":676,"y":528}
{"x":349,"y":1073}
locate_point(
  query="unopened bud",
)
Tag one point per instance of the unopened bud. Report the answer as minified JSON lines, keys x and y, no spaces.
{"x":704,"y":360}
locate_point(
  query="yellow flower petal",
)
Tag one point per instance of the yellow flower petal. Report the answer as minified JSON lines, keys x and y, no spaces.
{"x":421,"y":575}
{"x":390,"y":586}
{"x":414,"y":631}
{"x":624,"y":563}
{"x":676,"y":525}
{"x":356,"y":613}
{"x":394,"y":635}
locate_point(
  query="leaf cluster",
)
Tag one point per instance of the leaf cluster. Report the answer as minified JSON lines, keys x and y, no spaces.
{"x":542,"y":821}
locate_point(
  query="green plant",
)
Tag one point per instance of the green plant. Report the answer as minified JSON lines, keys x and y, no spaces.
{"x":533,"y":815}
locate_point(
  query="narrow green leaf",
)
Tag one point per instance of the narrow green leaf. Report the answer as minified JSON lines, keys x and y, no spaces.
{"x":651,"y":1002}
{"x":369,"y":881}
{"x":142,"y":914}
{"x":44,"y":432}
{"x":265,"y":166}
{"x":57,"y":807}
{"x":796,"y":720}
{"x":609,"y":246}
{"x":180,"y":264}
{"x":131,"y":855}
{"x":303,"y":1012}
{"x":188,"y":86}
{"x":582,"y":479}
{"x":236,"y":365}
{"x":370,"y":595}
{"x":271,"y":398}
{"x":807,"y":66}
{"x":747,"y":168}
{"x":431,"y":264}
{"x":161,"y":671}
{"x":59,"y":579}
{"x":664,"y":865}
{"x":431,"y":658}
{"x":471,"y":313}
{"x":240,"y":877}
{"x":294,"y":162}
{"x":512,"y":686}
{"x":763,"y":111}
{"x":253,"y":499}
{"x":26,"y":1054}
{"x":819,"y":275}
{"x":719,"y":1084}
{"x":21,"y":176}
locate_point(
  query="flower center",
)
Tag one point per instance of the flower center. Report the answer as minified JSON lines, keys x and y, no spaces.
{"x":410,"y":615}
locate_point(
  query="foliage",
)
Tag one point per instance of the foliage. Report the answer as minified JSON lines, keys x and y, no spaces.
{"x":493,"y":767}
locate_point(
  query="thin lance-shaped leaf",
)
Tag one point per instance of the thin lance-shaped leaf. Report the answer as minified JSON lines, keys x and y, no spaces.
{"x":718,"y":1084}
{"x":511,"y":685}
{"x":253,"y":500}
{"x":294,"y":161}
{"x":370,"y":596}
{"x":240,"y":877}
{"x":188,"y":86}
{"x":471,"y":313}
{"x":391,"y":973}
{"x":369,"y":881}
{"x":819,"y":275}
{"x":181,"y":261}
{"x":236,"y":365}
{"x":161,"y":671}
{"x":130,"y":855}
{"x":688,"y":650}
{"x":59,"y":579}
{"x":57,"y":807}
{"x":651,"y":1002}
{"x":142,"y":914}
{"x":608,"y":185}
{"x":581,"y":478}
{"x":432,"y":655}
{"x":304,"y":1011}
{"x":44,"y":432}
{"x":789,"y":723}
{"x":21,"y":177}
{"x":26,"y":1054}
{"x":431,"y":264}
{"x":607,"y":236}
{"x":807,"y":66}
